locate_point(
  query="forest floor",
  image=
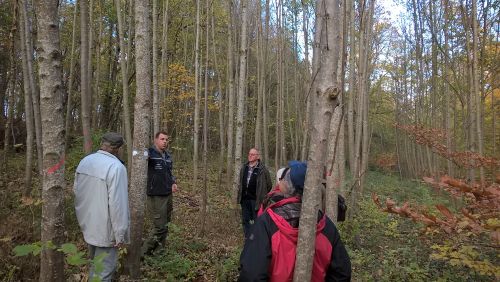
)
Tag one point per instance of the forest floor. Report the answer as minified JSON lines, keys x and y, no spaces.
{"x":382,"y":247}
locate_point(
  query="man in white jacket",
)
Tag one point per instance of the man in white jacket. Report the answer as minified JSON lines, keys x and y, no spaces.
{"x":101,"y":202}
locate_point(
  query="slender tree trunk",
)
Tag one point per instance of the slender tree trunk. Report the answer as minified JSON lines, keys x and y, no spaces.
{"x":164,"y":57}
{"x":11,"y":84}
{"x":142,"y":120}
{"x":352,"y":77}
{"x":28,"y":103}
{"x":197,"y":97}
{"x":204,"y":197}
{"x":241,"y":100}
{"x":230,"y":92}
{"x":307,"y":82}
{"x":220,"y":102}
{"x":85,"y":78}
{"x":51,"y":106}
{"x":124,"y":71}
{"x":35,"y":95}
{"x":69,"y":88}
{"x":260,"y":77}
{"x":365,"y":93}
{"x":156,"y":99}
{"x":265,"y":98}
{"x":327,"y":91}
{"x":475,"y":87}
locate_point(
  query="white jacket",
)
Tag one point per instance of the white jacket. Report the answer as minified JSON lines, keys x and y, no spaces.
{"x":101,"y":200}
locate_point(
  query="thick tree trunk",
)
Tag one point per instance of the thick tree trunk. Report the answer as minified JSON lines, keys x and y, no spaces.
{"x":142,"y":120}
{"x":51,"y":106}
{"x":327,"y":92}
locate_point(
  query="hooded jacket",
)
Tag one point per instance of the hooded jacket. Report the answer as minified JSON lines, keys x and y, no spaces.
{"x":269,"y":252}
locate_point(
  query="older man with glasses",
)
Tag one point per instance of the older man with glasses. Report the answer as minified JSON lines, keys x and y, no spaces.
{"x":255,"y":183}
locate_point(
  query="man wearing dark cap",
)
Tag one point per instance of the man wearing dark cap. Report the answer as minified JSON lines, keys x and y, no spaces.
{"x":269,"y":253}
{"x":101,"y":202}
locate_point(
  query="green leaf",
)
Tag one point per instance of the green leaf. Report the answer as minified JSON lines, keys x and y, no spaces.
{"x":68,"y":248}
{"x":24,"y":250}
{"x":98,"y":262}
{"x":50,"y":245}
{"x":76,"y":259}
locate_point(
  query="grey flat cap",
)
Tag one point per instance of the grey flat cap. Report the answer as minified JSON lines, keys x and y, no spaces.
{"x":114,"y":139}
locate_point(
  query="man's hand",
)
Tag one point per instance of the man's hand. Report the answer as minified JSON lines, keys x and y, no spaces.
{"x":119,"y":245}
{"x":174,"y":188}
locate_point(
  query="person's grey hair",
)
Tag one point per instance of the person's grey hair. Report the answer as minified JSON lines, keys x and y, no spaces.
{"x":289,"y":185}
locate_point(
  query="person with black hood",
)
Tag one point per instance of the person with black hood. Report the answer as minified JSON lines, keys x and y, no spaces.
{"x":269,"y":252}
{"x":255,"y":183}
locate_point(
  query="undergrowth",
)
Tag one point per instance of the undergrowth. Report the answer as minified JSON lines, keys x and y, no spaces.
{"x":382,"y":247}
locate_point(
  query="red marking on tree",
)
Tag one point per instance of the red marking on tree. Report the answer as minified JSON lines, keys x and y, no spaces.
{"x":57,"y":166}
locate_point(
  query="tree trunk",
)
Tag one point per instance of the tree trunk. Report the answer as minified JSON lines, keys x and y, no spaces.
{"x":11,"y":84}
{"x":69,"y":88}
{"x":230,"y":91}
{"x":204,"y":197}
{"x":85,"y":78}
{"x":196,"y":128}
{"x":35,"y":95}
{"x":142,"y":120}
{"x":475,"y":88}
{"x":124,"y":71}
{"x":241,"y":100}
{"x":51,"y":106}
{"x":156,"y":99}
{"x":326,"y":90}
{"x":307,"y":82}
{"x":164,"y":65}
{"x":220,"y":102}
{"x":352,"y":76}
{"x":28,"y":103}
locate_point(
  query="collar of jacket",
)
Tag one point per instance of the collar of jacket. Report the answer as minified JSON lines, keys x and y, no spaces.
{"x":107,"y":153}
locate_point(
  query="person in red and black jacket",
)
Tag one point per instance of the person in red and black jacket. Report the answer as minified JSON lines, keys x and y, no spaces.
{"x":269,"y":251}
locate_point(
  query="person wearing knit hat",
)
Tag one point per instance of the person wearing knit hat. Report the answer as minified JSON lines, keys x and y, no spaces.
{"x":269,"y":252}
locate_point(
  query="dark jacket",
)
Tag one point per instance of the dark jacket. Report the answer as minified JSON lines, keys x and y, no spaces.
{"x":269,"y":252}
{"x":160,"y":178}
{"x":263,"y":186}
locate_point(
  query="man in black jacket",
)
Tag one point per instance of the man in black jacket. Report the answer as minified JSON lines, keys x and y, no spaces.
{"x":161,"y":184}
{"x":255,"y":183}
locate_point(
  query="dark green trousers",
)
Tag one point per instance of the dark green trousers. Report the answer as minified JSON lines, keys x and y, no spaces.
{"x":160,"y":211}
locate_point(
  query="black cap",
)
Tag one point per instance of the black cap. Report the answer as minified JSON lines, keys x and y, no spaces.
{"x":114,"y":139}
